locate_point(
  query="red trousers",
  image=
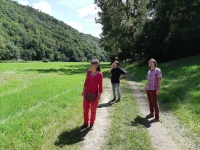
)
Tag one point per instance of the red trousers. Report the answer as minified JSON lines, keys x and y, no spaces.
{"x":92,"y":106}
{"x":153,"y":103}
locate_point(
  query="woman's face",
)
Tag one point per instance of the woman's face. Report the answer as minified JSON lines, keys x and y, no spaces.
{"x":115,"y":65}
{"x":151,"y":63}
{"x":93,"y":65}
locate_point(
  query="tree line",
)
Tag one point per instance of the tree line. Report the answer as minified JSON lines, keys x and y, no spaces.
{"x":28,"y":34}
{"x":141,"y":29}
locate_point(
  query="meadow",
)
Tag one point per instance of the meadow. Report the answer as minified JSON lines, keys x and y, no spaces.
{"x":180,"y":90}
{"x":36,"y":99}
{"x":41,"y":108}
{"x":41,"y":104}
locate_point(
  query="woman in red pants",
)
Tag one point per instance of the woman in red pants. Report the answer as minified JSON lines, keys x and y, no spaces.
{"x":93,"y":84}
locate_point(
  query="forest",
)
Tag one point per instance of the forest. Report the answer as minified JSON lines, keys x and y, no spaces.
{"x":29,"y":34}
{"x":138,"y":30}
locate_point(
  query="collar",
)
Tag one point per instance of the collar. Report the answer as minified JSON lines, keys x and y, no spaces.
{"x":153,"y":69}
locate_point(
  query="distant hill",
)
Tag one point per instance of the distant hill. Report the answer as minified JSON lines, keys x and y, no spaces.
{"x":28,"y":34}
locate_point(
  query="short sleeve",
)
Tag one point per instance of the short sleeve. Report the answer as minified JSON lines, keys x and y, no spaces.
{"x":158,"y":73}
{"x":123,"y":72}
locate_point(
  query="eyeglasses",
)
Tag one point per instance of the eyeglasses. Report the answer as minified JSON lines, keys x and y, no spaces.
{"x":151,"y":62}
{"x":93,"y":63}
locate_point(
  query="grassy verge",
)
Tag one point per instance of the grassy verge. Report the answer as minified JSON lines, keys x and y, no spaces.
{"x":41,"y":105}
{"x":180,"y":92}
{"x":127,"y":130}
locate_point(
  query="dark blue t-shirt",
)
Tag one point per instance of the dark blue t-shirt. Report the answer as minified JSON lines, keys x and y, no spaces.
{"x":116,"y":72}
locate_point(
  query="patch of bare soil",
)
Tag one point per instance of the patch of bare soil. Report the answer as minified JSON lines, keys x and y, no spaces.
{"x":96,"y":137}
{"x":168,"y":134}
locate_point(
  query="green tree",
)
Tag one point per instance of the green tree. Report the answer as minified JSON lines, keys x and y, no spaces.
{"x":32,"y":35}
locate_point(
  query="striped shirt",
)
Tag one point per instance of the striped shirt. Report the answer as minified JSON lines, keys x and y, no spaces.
{"x":152,"y":77}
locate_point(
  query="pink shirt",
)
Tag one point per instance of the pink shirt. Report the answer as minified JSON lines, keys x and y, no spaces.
{"x":152,"y":77}
{"x":93,"y":84}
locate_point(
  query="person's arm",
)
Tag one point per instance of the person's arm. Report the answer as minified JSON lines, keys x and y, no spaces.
{"x":159,"y":85}
{"x":111,"y":68}
{"x":121,"y":76}
{"x":85,"y":83}
{"x":159,"y":76}
{"x":145,"y":89}
{"x":123,"y":73}
{"x":100,"y":86}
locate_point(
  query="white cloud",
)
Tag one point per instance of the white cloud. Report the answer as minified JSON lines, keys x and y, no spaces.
{"x":89,"y":13}
{"x":23,"y":2}
{"x":75,"y":25}
{"x":43,"y":6}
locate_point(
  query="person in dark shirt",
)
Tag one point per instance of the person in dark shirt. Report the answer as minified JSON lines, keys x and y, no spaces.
{"x":116,"y":75}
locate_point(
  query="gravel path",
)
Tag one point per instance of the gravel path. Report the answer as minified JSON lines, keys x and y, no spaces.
{"x":95,"y":139}
{"x":160,"y":138}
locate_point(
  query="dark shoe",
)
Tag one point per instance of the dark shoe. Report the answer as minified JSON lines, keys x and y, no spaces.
{"x":155,"y":120}
{"x":149,"y":116}
{"x":118,"y":100}
{"x":84,"y":126}
{"x":113,"y":100}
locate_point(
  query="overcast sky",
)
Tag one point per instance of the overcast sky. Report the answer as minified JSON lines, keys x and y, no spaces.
{"x":80,"y":14}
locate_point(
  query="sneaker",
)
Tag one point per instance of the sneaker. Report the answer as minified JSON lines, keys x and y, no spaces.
{"x":84,"y":126}
{"x":149,"y":116}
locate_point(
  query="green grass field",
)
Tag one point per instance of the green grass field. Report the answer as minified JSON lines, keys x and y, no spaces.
{"x":180,"y":91}
{"x":41,"y":104}
{"x":41,"y":108}
{"x":37,"y":98}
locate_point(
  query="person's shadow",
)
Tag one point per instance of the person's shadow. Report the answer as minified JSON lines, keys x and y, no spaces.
{"x":71,"y":137}
{"x":108,"y":104}
{"x":140,"y":120}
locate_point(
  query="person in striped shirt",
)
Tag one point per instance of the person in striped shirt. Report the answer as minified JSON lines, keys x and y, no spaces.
{"x":152,"y":89}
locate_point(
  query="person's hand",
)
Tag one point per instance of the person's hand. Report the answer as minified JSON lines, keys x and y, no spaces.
{"x":121,"y":76}
{"x":99,"y":96}
{"x":145,"y":90}
{"x":157,"y":91}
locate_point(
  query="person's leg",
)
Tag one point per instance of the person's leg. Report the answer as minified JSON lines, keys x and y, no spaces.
{"x":150,"y":103}
{"x":86,"y":107}
{"x":113,"y":89}
{"x":118,"y":91}
{"x":93,"y":111}
{"x":155,"y":103}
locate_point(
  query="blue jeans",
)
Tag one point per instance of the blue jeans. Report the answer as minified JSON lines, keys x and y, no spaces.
{"x":116,"y":86}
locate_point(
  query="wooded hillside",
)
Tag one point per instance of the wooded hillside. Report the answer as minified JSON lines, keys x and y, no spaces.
{"x":28,"y":34}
